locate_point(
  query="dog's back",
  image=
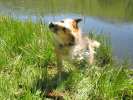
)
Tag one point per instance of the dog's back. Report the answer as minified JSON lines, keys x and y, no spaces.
{"x":84,"y":50}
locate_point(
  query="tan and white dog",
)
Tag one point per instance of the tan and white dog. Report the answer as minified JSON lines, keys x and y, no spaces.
{"x":69,"y":43}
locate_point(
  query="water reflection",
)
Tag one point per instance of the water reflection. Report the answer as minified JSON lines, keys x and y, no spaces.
{"x":119,"y":9}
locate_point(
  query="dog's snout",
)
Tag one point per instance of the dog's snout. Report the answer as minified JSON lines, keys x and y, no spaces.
{"x":51,"y":25}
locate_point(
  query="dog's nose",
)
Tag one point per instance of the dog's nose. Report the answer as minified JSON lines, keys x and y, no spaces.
{"x":51,"y":25}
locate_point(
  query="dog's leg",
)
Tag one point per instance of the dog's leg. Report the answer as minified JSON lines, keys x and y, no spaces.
{"x":91,"y":55}
{"x":59,"y":65}
{"x":91,"y":58}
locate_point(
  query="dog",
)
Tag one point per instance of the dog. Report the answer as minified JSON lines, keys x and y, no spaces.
{"x":70,"y":44}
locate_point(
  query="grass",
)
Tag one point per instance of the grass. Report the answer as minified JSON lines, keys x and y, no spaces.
{"x":28,"y":67}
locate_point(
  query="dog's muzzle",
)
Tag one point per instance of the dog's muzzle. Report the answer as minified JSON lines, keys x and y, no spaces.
{"x":51,"y":25}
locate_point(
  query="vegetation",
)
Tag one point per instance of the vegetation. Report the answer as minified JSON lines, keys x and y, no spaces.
{"x":28,"y":67}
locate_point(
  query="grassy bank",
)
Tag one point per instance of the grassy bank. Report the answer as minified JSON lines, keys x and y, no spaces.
{"x":28,"y":68}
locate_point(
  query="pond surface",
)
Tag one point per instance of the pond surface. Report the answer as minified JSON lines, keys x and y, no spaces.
{"x":112,"y":17}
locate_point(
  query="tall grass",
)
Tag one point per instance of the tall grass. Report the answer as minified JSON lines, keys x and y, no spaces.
{"x":25,"y":51}
{"x":28,"y":67}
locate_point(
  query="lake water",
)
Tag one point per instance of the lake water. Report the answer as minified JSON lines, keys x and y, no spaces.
{"x":112,"y":17}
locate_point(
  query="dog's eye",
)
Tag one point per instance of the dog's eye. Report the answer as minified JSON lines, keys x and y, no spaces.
{"x":62,"y":21}
{"x":63,"y":28}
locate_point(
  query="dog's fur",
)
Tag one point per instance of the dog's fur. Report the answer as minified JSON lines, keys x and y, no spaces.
{"x":69,"y":42}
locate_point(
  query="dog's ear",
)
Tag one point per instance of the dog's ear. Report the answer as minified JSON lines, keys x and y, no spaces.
{"x":75,"y":23}
{"x":77,"y":20}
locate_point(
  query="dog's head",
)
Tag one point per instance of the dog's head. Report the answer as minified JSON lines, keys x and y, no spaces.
{"x":66,"y":31}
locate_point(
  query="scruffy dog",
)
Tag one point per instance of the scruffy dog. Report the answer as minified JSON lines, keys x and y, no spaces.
{"x":69,"y":43}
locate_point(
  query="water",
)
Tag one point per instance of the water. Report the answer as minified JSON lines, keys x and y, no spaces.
{"x":112,"y":17}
